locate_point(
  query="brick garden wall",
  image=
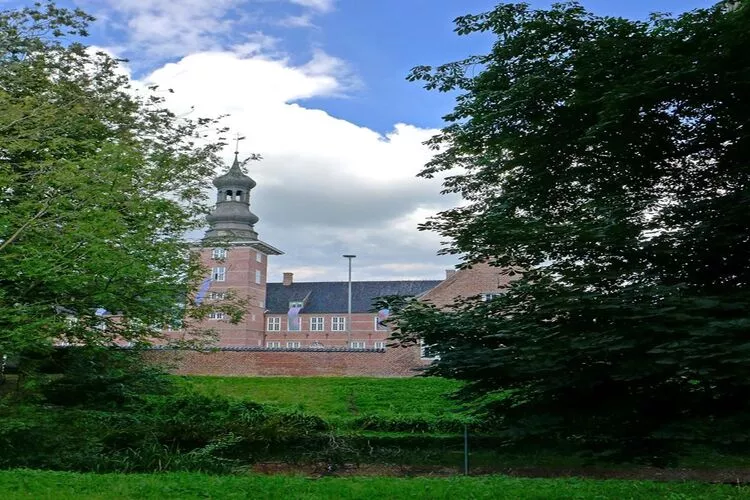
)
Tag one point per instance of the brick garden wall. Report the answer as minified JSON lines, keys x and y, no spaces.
{"x":390,"y":362}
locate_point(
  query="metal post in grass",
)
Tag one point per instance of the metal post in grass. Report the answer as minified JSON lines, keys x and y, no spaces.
{"x":466,"y":449}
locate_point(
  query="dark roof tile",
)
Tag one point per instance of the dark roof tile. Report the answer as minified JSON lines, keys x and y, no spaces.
{"x":331,"y":296}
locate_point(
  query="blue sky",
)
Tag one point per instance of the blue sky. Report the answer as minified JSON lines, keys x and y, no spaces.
{"x":319,"y":89}
{"x":384,"y":39}
{"x":381,"y":40}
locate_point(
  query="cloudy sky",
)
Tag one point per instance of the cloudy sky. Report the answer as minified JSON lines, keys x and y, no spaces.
{"x":318,"y":88}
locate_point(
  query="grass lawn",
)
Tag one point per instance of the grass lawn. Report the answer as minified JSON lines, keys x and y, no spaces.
{"x":339,"y":399}
{"x":17,"y":484}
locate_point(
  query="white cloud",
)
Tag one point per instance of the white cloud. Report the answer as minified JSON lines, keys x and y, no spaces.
{"x":326,"y":186}
{"x":163,"y":29}
{"x":302,"y":21}
{"x":320,"y":5}
{"x":256,"y":44}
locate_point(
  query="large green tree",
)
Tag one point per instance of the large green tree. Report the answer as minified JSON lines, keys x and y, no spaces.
{"x":99,"y":184}
{"x":608,"y":160}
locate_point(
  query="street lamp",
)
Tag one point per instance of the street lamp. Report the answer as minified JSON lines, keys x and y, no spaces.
{"x":349,"y":308}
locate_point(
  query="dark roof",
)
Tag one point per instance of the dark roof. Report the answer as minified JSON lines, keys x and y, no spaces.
{"x":332,"y":296}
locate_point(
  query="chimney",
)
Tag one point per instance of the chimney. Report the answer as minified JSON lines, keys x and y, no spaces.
{"x":288,"y":279}
{"x":449,"y":273}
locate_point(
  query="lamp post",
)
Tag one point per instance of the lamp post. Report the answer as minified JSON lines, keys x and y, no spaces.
{"x":349,"y":307}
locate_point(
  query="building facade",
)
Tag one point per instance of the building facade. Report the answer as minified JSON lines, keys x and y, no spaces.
{"x":291,"y":315}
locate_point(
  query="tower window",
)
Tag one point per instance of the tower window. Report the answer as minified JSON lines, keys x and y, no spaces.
{"x":228,"y":196}
{"x":238,"y":196}
{"x":219,"y":253}
{"x":219,"y":274}
{"x":257,"y":276}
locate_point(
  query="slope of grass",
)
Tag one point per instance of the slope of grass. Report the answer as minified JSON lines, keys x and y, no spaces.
{"x":339,"y":400}
{"x":61,"y":486}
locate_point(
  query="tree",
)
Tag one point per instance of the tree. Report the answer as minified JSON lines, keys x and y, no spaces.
{"x":99,"y":184}
{"x":610,"y":160}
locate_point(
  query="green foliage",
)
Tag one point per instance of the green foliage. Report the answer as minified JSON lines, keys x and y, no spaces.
{"x":96,"y":377}
{"x":99,"y":183}
{"x":348,"y":402}
{"x":410,"y":423}
{"x":173,"y":432}
{"x":608,"y":160}
{"x":36,"y":484}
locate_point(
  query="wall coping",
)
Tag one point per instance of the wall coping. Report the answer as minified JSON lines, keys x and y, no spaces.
{"x":265,"y":349}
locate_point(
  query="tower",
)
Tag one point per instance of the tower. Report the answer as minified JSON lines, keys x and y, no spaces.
{"x":237,"y":259}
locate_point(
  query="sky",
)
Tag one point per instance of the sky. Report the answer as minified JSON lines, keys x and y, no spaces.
{"x":318,"y":88}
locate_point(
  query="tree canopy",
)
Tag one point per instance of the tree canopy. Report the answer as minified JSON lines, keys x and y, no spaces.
{"x":608,"y":160}
{"x":99,"y":184}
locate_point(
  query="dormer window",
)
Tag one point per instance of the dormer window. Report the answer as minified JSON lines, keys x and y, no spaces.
{"x":296,"y":303}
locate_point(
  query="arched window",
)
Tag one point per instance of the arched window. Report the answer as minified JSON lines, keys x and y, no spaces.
{"x":238,"y":196}
{"x":228,"y":197}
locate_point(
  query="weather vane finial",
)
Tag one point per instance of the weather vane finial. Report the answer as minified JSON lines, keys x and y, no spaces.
{"x":237,"y":138}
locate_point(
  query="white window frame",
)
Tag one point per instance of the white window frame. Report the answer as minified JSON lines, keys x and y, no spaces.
{"x":293,"y":344}
{"x":380,"y":344}
{"x":273,"y":324}
{"x":274,"y":344}
{"x":219,"y":253}
{"x":358,"y":344}
{"x":217,"y":295}
{"x":423,"y":351}
{"x":219,"y":273}
{"x":317,"y":324}
{"x":378,"y":327}
{"x":216,"y":315}
{"x":258,"y":257}
{"x":338,"y":324}
{"x":486,"y":297}
{"x":258,"y":277}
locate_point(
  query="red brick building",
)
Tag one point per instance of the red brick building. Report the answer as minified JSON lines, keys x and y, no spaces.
{"x":307,"y":318}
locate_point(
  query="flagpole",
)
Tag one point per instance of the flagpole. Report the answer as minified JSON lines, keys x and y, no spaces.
{"x":349,"y":308}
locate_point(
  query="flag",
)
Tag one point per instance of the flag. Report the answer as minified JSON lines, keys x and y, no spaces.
{"x":294,"y":312}
{"x":203,"y":290}
{"x":293,"y":319}
{"x":383,"y":314}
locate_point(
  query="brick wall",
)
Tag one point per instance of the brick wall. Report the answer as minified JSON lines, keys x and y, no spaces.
{"x":363,"y":330}
{"x":481,"y":278}
{"x":390,"y":362}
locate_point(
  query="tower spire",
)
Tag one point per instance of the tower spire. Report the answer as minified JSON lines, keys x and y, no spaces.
{"x":232,"y":217}
{"x":237,"y":145}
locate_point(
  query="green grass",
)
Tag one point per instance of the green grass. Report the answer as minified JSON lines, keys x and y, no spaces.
{"x":339,"y":400}
{"x":61,"y":485}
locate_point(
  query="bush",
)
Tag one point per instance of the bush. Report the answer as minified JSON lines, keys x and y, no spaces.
{"x":97,"y":377}
{"x":108,"y":411}
{"x":410,"y":423}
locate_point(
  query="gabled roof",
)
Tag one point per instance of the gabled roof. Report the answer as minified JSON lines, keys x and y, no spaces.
{"x":332,"y":296}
